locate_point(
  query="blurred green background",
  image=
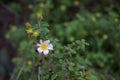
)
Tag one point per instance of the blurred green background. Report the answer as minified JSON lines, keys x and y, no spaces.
{"x":95,"y":21}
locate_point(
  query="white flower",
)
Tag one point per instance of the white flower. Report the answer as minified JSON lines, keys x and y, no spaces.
{"x":44,"y":47}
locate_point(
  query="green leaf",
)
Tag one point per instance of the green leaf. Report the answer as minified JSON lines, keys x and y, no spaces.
{"x":44,"y":32}
{"x":58,"y":55}
{"x":44,"y":24}
{"x":54,"y":77}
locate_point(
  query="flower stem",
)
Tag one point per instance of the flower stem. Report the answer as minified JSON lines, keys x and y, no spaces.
{"x":39,"y":73}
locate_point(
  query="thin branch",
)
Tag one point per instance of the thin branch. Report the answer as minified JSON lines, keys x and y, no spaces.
{"x":10,"y":10}
{"x":20,"y":71}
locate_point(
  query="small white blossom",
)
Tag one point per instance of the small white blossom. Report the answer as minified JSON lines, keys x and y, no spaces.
{"x":44,"y":47}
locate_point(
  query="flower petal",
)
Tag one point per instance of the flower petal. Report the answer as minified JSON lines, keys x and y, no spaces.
{"x":50,"y":47}
{"x":47,"y":41}
{"x":41,"y":41}
{"x":38,"y":45}
{"x":45,"y":52}
{"x":39,"y":50}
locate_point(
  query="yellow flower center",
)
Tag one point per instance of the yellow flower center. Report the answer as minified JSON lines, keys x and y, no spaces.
{"x":44,"y":46}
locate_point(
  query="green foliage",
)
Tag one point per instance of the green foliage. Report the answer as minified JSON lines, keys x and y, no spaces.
{"x":86,"y":43}
{"x":6,"y":66}
{"x":63,"y":65}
